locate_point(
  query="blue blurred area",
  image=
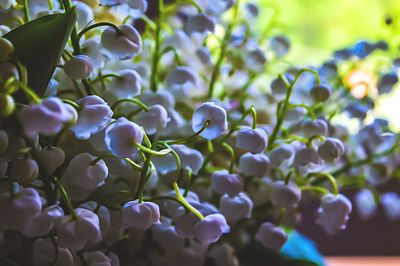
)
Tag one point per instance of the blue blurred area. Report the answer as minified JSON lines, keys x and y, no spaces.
{"x":302,"y":248}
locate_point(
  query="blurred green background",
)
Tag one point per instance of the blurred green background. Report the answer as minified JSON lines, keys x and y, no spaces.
{"x":316,"y":27}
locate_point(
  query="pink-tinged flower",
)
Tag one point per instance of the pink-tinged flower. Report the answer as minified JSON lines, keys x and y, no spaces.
{"x":140,"y":215}
{"x":124,"y":44}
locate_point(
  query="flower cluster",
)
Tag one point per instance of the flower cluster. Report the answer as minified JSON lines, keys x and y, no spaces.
{"x":184,"y":141}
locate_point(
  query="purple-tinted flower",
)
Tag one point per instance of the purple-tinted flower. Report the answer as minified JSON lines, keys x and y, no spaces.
{"x":123,"y":45}
{"x":252,"y":140}
{"x":254,"y":164}
{"x":236,"y":208}
{"x":211,"y":228}
{"x":224,"y":182}
{"x":122,"y":136}
{"x":216,"y":116}
{"x":140,"y":215}
{"x":94,"y":115}
{"x":271,"y":236}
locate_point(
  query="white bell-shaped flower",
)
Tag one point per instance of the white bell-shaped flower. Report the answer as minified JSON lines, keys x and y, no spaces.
{"x":236,"y":208}
{"x":190,"y":158}
{"x":154,"y":119}
{"x":271,"y":236}
{"x":83,"y":173}
{"x":124,"y":44}
{"x":44,"y":222}
{"x":79,"y":67}
{"x":333,"y":212}
{"x":391,"y":205}
{"x":285,"y":195}
{"x":211,"y":228}
{"x":223,"y":255}
{"x":365,"y":203}
{"x":20,"y":210}
{"x":122,"y":136}
{"x":24,"y":170}
{"x":180,"y":82}
{"x":51,"y":158}
{"x":280,"y":45}
{"x":45,"y":253}
{"x":47,"y":117}
{"x":92,"y":49}
{"x":127,"y":85}
{"x":162,"y":97}
{"x":280,"y":154}
{"x":224,"y":182}
{"x":252,"y":140}
{"x":313,"y":128}
{"x":74,"y":234}
{"x":94,"y":115}
{"x":306,"y":156}
{"x":167,"y":237}
{"x":200,"y":23}
{"x":254,"y":164}
{"x":140,"y":215}
{"x":215,"y":115}
{"x":331,"y":149}
{"x":84,"y":14}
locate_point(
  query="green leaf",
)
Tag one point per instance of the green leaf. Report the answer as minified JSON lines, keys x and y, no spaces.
{"x":39,"y":45}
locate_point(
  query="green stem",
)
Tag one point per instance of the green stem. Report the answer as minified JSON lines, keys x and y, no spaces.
{"x":65,"y":197}
{"x":224,"y":47}
{"x":102,"y":157}
{"x":143,"y":175}
{"x":316,"y":189}
{"x":97,"y":25}
{"x":331,"y":180}
{"x":130,"y":100}
{"x":153,"y":152}
{"x":156,"y":51}
{"x":72,"y":103}
{"x":187,"y":139}
{"x":133,"y":164}
{"x":284,"y":108}
{"x":232,"y":155}
{"x":176,"y":55}
{"x":26,"y":10}
{"x":74,"y":34}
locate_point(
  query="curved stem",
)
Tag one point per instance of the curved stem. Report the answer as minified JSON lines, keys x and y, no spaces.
{"x":131,"y":100}
{"x":186,"y":139}
{"x":284,"y":108}
{"x":65,"y":197}
{"x":331,"y":180}
{"x":72,"y":103}
{"x":176,"y":55}
{"x":103,"y":157}
{"x":143,"y":175}
{"x":133,"y":164}
{"x":96,"y":25}
{"x":153,"y":152}
{"x":316,"y":189}
{"x":231,"y":153}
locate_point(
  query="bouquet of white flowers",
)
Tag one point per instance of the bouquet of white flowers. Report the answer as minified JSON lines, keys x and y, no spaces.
{"x":182,"y":138}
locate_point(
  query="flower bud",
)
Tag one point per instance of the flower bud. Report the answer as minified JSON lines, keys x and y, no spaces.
{"x":83,"y":173}
{"x":6,"y":49}
{"x":8,"y":70}
{"x":224,"y":182}
{"x":271,"y":236}
{"x":331,"y":149}
{"x":211,"y":228}
{"x":7,"y":105}
{"x":94,"y":115}
{"x":254,"y":164}
{"x":181,"y":76}
{"x":154,"y":119}
{"x":140,"y":215}
{"x":124,"y":44}
{"x":121,"y":137}
{"x":190,"y":158}
{"x":333,"y":212}
{"x":216,"y":116}
{"x":24,"y":170}
{"x":321,"y":93}
{"x":236,"y":208}
{"x":252,"y":140}
{"x":127,"y":85}
{"x":306,"y":156}
{"x":313,"y":128}
{"x":51,"y":158}
{"x":79,"y":67}
{"x":285,"y":195}
{"x":74,"y":234}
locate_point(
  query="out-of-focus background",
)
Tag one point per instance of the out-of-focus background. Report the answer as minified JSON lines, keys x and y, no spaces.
{"x":317,"y":28}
